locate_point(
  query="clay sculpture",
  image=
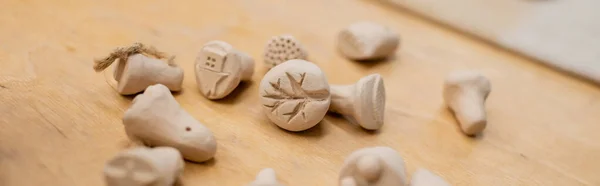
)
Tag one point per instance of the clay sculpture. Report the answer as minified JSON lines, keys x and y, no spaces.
{"x":367,"y":41}
{"x":465,"y":93}
{"x":140,"y":66}
{"x":156,"y":119}
{"x":423,"y":177}
{"x":295,"y":95}
{"x":142,"y":166}
{"x":373,"y":166}
{"x":363,"y":101}
{"x":282,"y":48}
{"x":220,"y":68}
{"x":266,"y":177}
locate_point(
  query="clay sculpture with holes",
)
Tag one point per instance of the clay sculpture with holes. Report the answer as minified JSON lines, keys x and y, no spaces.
{"x":373,"y":166}
{"x":220,"y":68}
{"x":465,"y":93}
{"x":266,"y":177}
{"x":363,"y":102}
{"x":367,"y":41}
{"x":295,"y":95}
{"x":282,"y":48}
{"x":142,"y":166}
{"x":140,"y":66}
{"x":156,"y":119}
{"x":423,"y":177}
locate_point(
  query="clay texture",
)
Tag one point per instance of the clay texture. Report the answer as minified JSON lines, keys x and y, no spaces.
{"x":367,"y":41}
{"x":364,"y":102}
{"x":423,"y":177}
{"x":295,"y":95}
{"x":156,"y":119}
{"x":140,"y":66}
{"x":282,"y":48}
{"x":465,"y":93}
{"x":373,"y":166}
{"x":142,"y":166}
{"x":266,"y":177}
{"x":220,"y":68}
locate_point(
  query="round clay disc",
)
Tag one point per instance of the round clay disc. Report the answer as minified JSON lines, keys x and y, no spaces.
{"x":370,"y":105}
{"x":295,"y":95}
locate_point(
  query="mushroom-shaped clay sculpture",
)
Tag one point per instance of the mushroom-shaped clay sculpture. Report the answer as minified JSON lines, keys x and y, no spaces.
{"x":363,"y":101}
{"x":295,"y":95}
{"x":367,"y":41}
{"x":156,"y":119}
{"x":465,"y":93}
{"x":282,"y":48}
{"x":373,"y":166}
{"x":140,"y":66}
{"x":423,"y":177}
{"x":266,"y":177}
{"x":142,"y":166}
{"x":220,"y":68}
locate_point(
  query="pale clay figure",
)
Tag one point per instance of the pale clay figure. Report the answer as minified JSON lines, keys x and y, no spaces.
{"x":266,"y":177}
{"x":140,"y":66}
{"x":373,"y":166}
{"x":282,"y":48}
{"x":363,"y":101}
{"x":142,"y":166}
{"x":367,"y":41}
{"x":295,"y":95}
{"x":423,"y":177}
{"x":465,"y":93}
{"x":156,"y":119}
{"x":220,"y":68}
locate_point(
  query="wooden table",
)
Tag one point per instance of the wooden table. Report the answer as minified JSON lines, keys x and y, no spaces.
{"x":60,"y":121}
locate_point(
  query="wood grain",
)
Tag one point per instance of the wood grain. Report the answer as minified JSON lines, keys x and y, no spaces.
{"x":60,"y":121}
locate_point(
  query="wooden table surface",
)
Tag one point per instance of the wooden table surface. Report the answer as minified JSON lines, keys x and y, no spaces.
{"x":60,"y":121}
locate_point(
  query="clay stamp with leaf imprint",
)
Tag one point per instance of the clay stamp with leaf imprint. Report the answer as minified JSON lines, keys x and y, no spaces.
{"x":295,"y":95}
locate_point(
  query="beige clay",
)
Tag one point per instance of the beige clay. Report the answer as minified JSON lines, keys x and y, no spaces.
{"x":465,"y":93}
{"x":423,"y":177}
{"x":282,"y":48}
{"x":295,"y":95}
{"x":266,"y":177}
{"x":363,"y":101}
{"x":156,"y":119}
{"x":220,"y":68}
{"x":373,"y":166}
{"x":140,"y":66}
{"x":367,"y":41}
{"x":142,"y":166}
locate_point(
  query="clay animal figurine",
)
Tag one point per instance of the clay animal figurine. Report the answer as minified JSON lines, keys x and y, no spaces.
{"x":465,"y":93}
{"x":266,"y":177}
{"x":142,"y":166}
{"x":140,"y":66}
{"x":156,"y":119}
{"x":220,"y":68}
{"x":295,"y":95}
{"x":282,"y":48}
{"x":367,"y":41}
{"x":363,"y":101}
{"x":423,"y":177}
{"x":373,"y":166}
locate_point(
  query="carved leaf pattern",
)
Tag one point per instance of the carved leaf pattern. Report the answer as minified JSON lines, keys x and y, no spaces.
{"x":294,"y":93}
